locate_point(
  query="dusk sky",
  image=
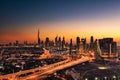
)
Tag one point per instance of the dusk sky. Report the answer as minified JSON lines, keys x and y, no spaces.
{"x":20,"y":19}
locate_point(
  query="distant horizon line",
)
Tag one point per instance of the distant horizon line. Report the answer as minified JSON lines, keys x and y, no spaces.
{"x":74,"y":40}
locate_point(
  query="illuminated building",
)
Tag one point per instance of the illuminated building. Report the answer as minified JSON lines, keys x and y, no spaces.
{"x":83,"y":40}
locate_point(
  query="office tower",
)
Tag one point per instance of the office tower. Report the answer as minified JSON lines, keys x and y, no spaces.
{"x":47,"y":42}
{"x":70,"y":46}
{"x":91,"y":39}
{"x":91,"y":43}
{"x":38,"y":38}
{"x":63,"y":43}
{"x":107,"y":45}
{"x":56,"y":41}
{"x":42,"y":44}
{"x":83,"y":40}
{"x":78,"y":42}
{"x":16,"y":43}
{"x":59,"y":42}
{"x":25,"y":43}
{"x":51,"y":43}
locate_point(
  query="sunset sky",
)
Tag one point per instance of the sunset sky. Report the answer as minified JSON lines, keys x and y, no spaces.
{"x":21,"y":19}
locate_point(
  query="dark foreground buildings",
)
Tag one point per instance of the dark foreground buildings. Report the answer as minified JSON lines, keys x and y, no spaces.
{"x":107,"y":45}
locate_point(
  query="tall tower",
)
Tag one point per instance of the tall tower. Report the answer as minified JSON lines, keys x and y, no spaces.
{"x":47,"y":42}
{"x":78,"y":42}
{"x":56,"y":41}
{"x":38,"y":38}
{"x":91,"y":39}
{"x":63,"y":43}
{"x":91,"y":43}
{"x":70,"y":46}
{"x":59,"y":42}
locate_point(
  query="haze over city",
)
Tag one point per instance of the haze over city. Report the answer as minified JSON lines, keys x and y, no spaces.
{"x":20,"y":19}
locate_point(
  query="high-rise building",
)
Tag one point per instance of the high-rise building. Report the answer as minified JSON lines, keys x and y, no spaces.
{"x":78,"y":42}
{"x":91,"y":43}
{"x":107,"y":45}
{"x":63,"y":43}
{"x":56,"y":41}
{"x":51,"y":43}
{"x":83,"y":40}
{"x":70,"y":46}
{"x":25,"y":42}
{"x":38,"y":38}
{"x":59,"y":42}
{"x":91,"y":39}
{"x":47,"y":42}
{"x":17,"y":43}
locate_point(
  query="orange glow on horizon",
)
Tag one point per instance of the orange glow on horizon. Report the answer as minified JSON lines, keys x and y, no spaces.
{"x":33,"y":38}
{"x":69,"y":29}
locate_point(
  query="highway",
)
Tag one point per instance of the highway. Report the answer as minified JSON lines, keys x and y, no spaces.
{"x":33,"y":74}
{"x":45,"y":70}
{"x":53,"y":68}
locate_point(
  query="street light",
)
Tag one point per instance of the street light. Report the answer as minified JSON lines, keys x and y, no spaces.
{"x":114,"y":77}
{"x":96,"y":78}
{"x":86,"y":78}
{"x":105,"y":77}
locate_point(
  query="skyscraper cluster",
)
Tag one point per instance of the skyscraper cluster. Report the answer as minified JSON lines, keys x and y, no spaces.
{"x":106,"y":44}
{"x":60,"y":43}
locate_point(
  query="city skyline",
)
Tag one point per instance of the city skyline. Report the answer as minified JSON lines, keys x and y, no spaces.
{"x":20,"y":20}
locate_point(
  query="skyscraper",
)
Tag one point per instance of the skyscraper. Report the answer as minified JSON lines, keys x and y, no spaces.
{"x":91,"y":43}
{"x":70,"y":46}
{"x":78,"y":42}
{"x":91,"y":39}
{"x":47,"y":42}
{"x":56,"y":40}
{"x":63,"y":43}
{"x":83,"y":40}
{"x":59,"y":42}
{"x":38,"y":38}
{"x":107,"y":45}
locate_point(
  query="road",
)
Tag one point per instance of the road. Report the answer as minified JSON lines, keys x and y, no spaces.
{"x":32,"y":74}
{"x":55,"y":68}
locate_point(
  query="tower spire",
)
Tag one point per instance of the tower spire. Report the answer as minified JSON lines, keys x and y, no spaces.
{"x":38,"y":33}
{"x":38,"y":37}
